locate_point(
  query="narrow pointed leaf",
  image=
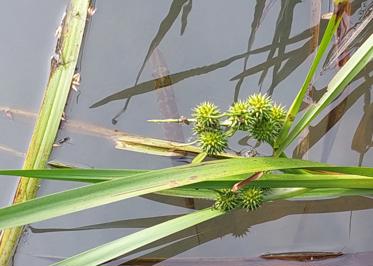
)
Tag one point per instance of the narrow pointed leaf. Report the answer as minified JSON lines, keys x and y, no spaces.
{"x":344,"y":76}
{"x":136,"y":240}
{"x":294,"y":108}
{"x":139,"y":184}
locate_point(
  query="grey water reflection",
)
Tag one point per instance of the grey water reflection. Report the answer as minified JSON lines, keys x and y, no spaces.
{"x":168,"y":56}
{"x":222,"y":226}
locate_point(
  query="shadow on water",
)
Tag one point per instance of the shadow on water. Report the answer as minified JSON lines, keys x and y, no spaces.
{"x":281,"y":37}
{"x":184,"y":16}
{"x":236,"y":223}
{"x":176,"y":7}
{"x":292,"y":59}
{"x":164,"y":27}
{"x":258,"y":13}
{"x":154,"y":84}
{"x":285,"y":63}
{"x":362,"y":139}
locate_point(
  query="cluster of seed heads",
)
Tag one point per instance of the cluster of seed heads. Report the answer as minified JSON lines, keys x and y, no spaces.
{"x":257,"y":115}
{"x":249,"y":199}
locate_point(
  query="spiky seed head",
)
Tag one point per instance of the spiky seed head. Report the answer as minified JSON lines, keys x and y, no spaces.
{"x":239,"y":115}
{"x":251,"y":199}
{"x":278,"y":119}
{"x":278,"y":112}
{"x":213,"y":142}
{"x":205,"y":114}
{"x":226,"y":200}
{"x":200,"y":127}
{"x":259,"y":106}
{"x":266,"y":130}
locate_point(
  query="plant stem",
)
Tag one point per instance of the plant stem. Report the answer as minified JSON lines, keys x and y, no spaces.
{"x":46,"y":127}
{"x":294,"y":108}
{"x":199,"y":158}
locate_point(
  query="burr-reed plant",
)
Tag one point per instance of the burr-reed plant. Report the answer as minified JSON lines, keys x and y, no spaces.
{"x":257,"y":115}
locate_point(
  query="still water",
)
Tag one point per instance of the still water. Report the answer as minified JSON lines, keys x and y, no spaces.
{"x":207,"y":50}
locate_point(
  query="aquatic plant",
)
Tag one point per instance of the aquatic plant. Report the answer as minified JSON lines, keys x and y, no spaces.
{"x":70,"y":34}
{"x":257,"y":116}
{"x":249,"y":199}
{"x":213,"y":142}
{"x":226,"y":200}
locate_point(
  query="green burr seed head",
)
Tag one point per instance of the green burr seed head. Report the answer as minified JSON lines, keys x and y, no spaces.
{"x":260,"y":106}
{"x":213,"y":142}
{"x":278,"y":113}
{"x":239,"y":115}
{"x":265,"y":130}
{"x":251,"y":199}
{"x":206,"y":114}
{"x":226,"y":200}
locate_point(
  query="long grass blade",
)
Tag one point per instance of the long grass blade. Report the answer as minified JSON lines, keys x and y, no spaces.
{"x":294,"y":108}
{"x":136,"y":240}
{"x":140,"y":184}
{"x":344,"y":76}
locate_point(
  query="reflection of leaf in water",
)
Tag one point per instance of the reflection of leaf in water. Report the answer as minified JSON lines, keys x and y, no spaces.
{"x":318,"y":131}
{"x":239,"y":221}
{"x":164,"y":27}
{"x":259,"y":8}
{"x":281,"y":36}
{"x":184,"y":16}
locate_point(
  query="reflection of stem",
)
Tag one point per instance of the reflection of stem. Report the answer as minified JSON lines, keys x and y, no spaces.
{"x":12,"y":151}
{"x":9,"y":111}
{"x":74,"y":125}
{"x":121,"y":138}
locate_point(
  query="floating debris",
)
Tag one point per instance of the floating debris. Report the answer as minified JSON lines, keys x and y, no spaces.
{"x":302,"y":256}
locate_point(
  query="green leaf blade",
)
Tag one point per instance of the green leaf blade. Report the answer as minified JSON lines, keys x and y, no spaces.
{"x":129,"y":243}
{"x":139,"y":184}
{"x":344,"y":76}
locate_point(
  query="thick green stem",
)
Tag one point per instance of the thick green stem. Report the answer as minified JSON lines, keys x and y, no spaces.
{"x":46,"y":127}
